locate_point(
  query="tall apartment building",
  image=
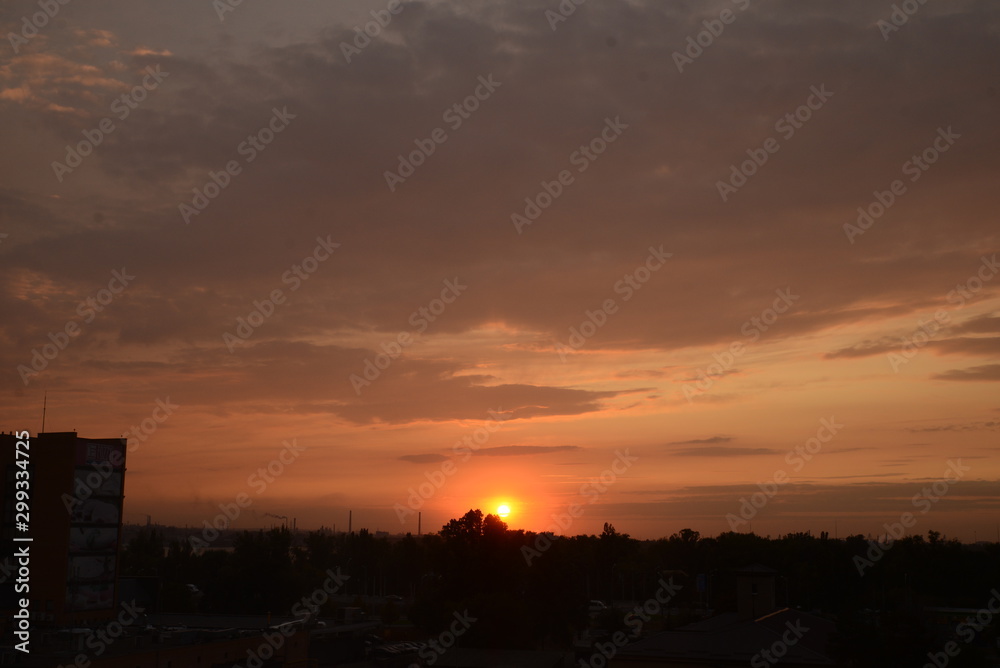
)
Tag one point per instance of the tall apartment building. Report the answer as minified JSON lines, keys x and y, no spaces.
{"x":74,"y":522}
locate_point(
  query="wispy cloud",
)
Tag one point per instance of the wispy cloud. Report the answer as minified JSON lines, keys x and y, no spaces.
{"x":515,"y":450}
{"x":723,"y":451}
{"x":698,"y":441}
{"x":986,"y":372}
{"x":429,"y":458}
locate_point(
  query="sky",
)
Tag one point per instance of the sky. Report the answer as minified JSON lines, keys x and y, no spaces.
{"x":722,"y":265}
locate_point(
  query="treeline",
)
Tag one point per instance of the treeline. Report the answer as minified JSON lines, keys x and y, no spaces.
{"x":533,"y":590}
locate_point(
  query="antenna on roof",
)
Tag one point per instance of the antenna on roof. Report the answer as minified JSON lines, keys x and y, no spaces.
{"x":45,"y":402}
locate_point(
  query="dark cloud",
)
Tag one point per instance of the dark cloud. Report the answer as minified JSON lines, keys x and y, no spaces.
{"x":976,"y":346}
{"x":982,"y":346}
{"x":964,"y":426}
{"x":698,"y":441}
{"x":424,"y":459}
{"x":866,"y":349}
{"x":985,"y":324}
{"x":722,"y":451}
{"x":853,"y":503}
{"x":516,"y":450}
{"x":986,"y":372}
{"x":324,"y":173}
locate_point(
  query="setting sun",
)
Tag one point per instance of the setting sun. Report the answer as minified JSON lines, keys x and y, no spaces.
{"x":503,"y":510}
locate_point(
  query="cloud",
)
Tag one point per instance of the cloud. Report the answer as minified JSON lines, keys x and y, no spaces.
{"x":865,"y":348}
{"x":851,"y":503}
{"x":642,"y":373}
{"x":230,"y":96}
{"x":963,"y":426}
{"x":722,"y":451}
{"x":720,"y":374}
{"x":696,"y":441}
{"x":424,"y":459}
{"x":986,"y":372}
{"x":494,"y":347}
{"x":516,"y":450}
{"x":982,"y":346}
{"x":985,"y":324}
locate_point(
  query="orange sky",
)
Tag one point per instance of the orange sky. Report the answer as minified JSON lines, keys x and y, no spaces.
{"x":604,"y":261}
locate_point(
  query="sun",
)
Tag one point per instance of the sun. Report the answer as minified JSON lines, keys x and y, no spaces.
{"x":503,"y":510}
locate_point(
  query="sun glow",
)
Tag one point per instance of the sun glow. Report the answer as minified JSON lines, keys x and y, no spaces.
{"x":503,"y":510}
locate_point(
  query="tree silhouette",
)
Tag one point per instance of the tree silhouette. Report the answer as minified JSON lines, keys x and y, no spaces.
{"x":469,"y":525}
{"x":494,"y":527}
{"x":476,"y":563}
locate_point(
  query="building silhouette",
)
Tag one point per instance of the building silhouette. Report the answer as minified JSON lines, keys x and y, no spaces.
{"x":75,"y":491}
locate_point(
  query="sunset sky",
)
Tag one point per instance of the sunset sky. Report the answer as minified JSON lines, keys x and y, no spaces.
{"x":582,"y":242}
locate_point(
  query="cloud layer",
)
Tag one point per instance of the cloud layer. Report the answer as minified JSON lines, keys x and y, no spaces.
{"x":565,"y":327}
